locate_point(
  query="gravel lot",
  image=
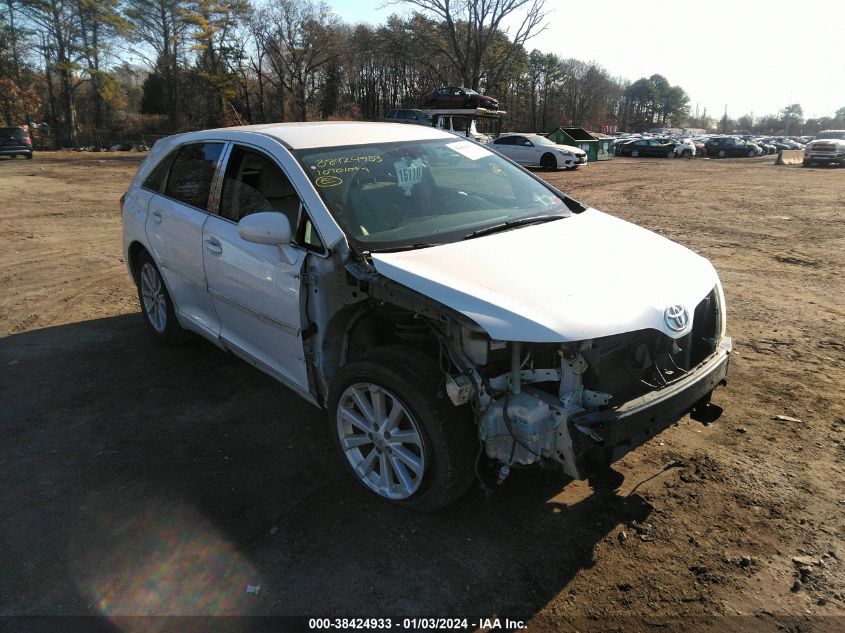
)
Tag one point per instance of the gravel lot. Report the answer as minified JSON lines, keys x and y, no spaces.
{"x":138,"y":479}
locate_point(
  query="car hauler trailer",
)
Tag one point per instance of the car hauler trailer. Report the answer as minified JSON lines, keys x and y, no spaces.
{"x":465,"y":121}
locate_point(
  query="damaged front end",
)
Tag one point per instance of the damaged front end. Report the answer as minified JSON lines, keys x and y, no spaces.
{"x":580,"y":406}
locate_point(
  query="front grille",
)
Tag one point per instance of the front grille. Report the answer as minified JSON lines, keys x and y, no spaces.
{"x":823,"y":148}
{"x":630,"y":365}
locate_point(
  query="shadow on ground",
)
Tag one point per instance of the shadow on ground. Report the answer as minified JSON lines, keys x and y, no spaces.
{"x":143,"y":479}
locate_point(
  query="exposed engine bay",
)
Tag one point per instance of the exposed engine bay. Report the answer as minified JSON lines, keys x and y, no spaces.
{"x":558,"y":405}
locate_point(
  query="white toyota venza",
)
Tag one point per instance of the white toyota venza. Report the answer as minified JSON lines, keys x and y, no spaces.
{"x":436,"y":298}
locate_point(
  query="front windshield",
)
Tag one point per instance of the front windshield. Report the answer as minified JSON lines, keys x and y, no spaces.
{"x":399,"y":195}
{"x":833,"y":135}
{"x":539,"y":140}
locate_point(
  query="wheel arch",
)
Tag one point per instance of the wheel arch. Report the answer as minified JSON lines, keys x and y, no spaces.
{"x":133,"y":254}
{"x":359,"y":329}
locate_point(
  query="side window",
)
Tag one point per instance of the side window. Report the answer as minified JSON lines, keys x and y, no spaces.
{"x":155,"y":181}
{"x":308,"y":237}
{"x":402,"y":115}
{"x":192,"y":172}
{"x":253,"y":183}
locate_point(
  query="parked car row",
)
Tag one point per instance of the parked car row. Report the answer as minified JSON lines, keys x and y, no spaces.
{"x":712,"y":146}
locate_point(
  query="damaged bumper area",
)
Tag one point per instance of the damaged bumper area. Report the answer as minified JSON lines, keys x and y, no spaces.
{"x":578,"y":431}
{"x":605,"y":397}
{"x":602,"y":437}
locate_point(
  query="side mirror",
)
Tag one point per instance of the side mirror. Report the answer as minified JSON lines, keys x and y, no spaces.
{"x":267,"y":227}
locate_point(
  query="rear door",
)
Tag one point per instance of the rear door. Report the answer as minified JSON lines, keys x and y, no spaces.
{"x":174,"y":231}
{"x":256,"y":288}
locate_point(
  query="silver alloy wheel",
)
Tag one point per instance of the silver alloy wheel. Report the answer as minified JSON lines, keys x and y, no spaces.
{"x":381,"y":440}
{"x":154,"y":302}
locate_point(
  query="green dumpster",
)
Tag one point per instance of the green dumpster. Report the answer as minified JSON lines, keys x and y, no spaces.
{"x":605,"y":147}
{"x":596,"y":149}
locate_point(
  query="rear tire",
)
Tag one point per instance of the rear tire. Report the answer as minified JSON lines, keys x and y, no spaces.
{"x":432,"y":465}
{"x":29,"y":156}
{"x":156,"y":304}
{"x":687,"y":153}
{"x":671,"y":154}
{"x":635,"y":153}
{"x":751,"y":153}
{"x":722,"y":153}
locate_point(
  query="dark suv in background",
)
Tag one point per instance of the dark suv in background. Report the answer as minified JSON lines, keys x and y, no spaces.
{"x":417,"y":117}
{"x":725,"y":146}
{"x":15,"y":141}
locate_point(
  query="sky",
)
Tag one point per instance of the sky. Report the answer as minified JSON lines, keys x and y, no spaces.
{"x":753,"y":56}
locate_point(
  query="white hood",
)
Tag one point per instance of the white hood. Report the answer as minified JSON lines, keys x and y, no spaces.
{"x":569,"y":148}
{"x":577,"y":278}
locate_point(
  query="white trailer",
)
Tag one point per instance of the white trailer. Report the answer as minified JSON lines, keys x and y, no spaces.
{"x":463,"y":121}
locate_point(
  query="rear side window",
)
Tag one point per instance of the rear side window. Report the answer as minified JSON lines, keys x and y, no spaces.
{"x":17,"y":133}
{"x":192,"y":172}
{"x":155,"y":181}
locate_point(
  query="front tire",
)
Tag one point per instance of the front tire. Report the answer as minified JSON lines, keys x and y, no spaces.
{"x":548,"y":161}
{"x":752,"y":153}
{"x":156,"y":304}
{"x":635,"y":153}
{"x":722,"y":153}
{"x":687,"y":153}
{"x":398,"y":433}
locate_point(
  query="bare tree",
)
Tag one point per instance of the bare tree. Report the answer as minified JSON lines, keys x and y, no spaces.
{"x":301,"y":42}
{"x":58,"y":22}
{"x":160,"y":25}
{"x":472,"y":25}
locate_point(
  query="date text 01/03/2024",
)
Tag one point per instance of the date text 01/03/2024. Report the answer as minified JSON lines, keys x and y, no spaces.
{"x":412,"y":624}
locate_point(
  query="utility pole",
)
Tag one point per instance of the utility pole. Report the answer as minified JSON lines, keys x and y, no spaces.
{"x":725,"y":121}
{"x":788,"y":115}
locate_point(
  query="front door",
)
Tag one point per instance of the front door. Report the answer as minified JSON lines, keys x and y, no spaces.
{"x":256,"y":288}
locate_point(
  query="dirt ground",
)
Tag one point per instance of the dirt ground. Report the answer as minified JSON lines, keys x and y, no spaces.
{"x":137,"y":479}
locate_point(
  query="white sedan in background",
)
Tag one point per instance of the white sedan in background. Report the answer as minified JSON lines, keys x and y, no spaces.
{"x":533,"y":149}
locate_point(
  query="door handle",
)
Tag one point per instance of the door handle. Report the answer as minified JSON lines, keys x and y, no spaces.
{"x":156,"y":216}
{"x":213,"y":246}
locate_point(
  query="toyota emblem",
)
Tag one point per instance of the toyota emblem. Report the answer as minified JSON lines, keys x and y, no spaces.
{"x":676,"y":317}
